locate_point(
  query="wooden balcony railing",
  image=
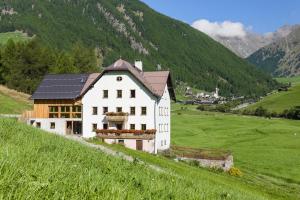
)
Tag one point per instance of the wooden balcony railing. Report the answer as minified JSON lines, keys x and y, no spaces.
{"x":116,"y":116}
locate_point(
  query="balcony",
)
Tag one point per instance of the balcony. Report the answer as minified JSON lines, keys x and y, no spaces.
{"x":126,"y":134}
{"x":116,"y":116}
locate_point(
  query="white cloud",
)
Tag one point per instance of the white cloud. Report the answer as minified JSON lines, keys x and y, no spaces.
{"x":224,"y":29}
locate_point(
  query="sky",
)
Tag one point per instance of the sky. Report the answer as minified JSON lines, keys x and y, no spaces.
{"x":227,"y":16}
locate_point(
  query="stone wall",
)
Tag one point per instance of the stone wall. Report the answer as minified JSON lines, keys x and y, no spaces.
{"x":225,"y":164}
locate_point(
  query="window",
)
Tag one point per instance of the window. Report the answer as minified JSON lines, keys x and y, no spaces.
{"x":65,"y":115}
{"x":76,"y":109}
{"x":94,"y":127}
{"x":53,"y":108}
{"x":165,"y":142}
{"x":144,"y":111}
{"x":105,"y":126}
{"x":119,"y":78}
{"x":31,"y":122}
{"x":132,"y":93}
{"x":119,"y":109}
{"x":95,"y":110}
{"x":105,"y":110}
{"x":38,"y":124}
{"x":65,"y":111}
{"x":119,"y":93}
{"x":52,"y":125}
{"x":161,"y":143}
{"x":105,"y":94}
{"x":53,"y":111}
{"x":132,"y":110}
{"x":132,"y":126}
{"x":76,"y":112}
{"x":143,"y":127}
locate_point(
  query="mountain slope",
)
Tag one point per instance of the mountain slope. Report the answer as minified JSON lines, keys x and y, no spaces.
{"x":134,"y":31}
{"x":281,"y":58}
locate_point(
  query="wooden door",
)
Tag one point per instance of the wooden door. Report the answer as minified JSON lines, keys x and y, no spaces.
{"x":139,"y":145}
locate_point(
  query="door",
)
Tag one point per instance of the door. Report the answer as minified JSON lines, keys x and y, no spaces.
{"x":119,"y":126}
{"x":77,"y":128}
{"x":139,"y":145}
{"x":69,"y":127}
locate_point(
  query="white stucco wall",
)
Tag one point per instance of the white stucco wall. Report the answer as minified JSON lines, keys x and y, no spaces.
{"x":94,"y":98}
{"x":60,"y":124}
{"x":163,"y":122}
{"x":148,"y":145}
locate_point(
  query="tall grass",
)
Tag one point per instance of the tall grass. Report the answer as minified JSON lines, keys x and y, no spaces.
{"x":38,"y":165}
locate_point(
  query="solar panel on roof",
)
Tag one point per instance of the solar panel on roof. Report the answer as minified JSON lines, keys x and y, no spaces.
{"x":60,"y":86}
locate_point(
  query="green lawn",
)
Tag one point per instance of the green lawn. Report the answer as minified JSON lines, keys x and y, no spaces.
{"x":267,"y":150}
{"x":280,"y":101}
{"x":10,"y":105}
{"x":15,"y":36}
{"x":293,"y":80}
{"x":39,"y":165}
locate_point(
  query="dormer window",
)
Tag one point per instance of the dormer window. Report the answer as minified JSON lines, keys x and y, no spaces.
{"x":119,"y":78}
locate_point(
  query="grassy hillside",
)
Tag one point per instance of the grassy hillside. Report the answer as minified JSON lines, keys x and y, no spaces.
{"x":280,"y":101}
{"x":134,"y":31}
{"x":267,"y":150}
{"x":15,"y":36}
{"x":13,"y":102}
{"x":38,"y":165}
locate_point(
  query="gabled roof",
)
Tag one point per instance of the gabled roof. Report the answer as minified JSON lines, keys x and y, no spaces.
{"x":73,"y":86}
{"x":154,"y":81}
{"x":63,"y":86}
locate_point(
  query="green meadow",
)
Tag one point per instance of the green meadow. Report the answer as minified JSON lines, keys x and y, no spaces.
{"x":280,"y":101}
{"x":13,"y":102}
{"x":39,"y":165}
{"x":9,"y":105}
{"x":267,"y":150}
{"x":15,"y":36}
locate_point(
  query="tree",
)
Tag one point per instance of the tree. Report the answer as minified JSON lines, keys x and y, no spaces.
{"x":84,"y":59}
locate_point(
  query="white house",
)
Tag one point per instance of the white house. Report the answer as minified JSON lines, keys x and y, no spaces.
{"x":123,"y":104}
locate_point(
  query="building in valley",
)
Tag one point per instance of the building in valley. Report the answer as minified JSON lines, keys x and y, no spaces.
{"x":123,"y":104}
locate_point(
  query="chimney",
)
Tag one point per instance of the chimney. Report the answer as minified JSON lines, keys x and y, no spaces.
{"x":139,"y":64}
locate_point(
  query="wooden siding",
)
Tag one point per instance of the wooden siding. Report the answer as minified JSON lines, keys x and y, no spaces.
{"x":41,"y":107}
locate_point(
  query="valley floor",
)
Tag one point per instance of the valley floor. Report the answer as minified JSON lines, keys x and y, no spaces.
{"x":266,"y":150}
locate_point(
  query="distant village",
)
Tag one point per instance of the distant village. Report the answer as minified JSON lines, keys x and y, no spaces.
{"x":206,"y":98}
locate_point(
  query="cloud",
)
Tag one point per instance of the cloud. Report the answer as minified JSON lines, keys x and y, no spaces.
{"x":223,"y":29}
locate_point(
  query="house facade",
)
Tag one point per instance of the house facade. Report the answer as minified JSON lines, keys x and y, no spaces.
{"x":122,"y":105}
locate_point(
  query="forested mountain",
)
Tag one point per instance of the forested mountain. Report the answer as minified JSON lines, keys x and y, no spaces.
{"x":132,"y":30}
{"x":281,"y":58}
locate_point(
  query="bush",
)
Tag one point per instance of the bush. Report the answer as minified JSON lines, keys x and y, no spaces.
{"x":260,"y":111}
{"x":201,"y":108}
{"x":234,"y":171}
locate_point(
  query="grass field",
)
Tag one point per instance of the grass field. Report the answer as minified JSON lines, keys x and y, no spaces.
{"x":39,"y":165}
{"x":292,"y":80}
{"x":13,"y":102}
{"x":280,"y":101}
{"x":16,"y":36}
{"x":266,"y":149}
